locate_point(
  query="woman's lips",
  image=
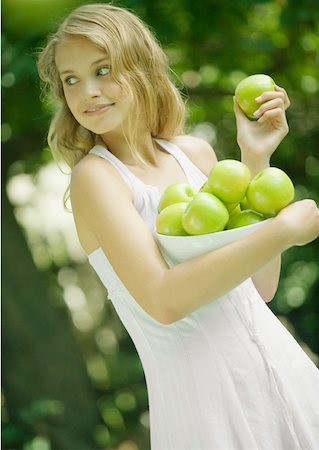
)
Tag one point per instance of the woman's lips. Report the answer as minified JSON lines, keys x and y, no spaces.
{"x":98,"y":109}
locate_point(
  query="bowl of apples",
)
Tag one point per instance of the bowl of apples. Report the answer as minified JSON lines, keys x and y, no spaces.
{"x":229,"y":206}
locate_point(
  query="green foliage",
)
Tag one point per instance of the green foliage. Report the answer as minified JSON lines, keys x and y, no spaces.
{"x":211,"y":46}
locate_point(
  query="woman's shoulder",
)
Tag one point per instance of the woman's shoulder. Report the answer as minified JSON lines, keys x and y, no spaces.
{"x":199,"y":151}
{"x":92,"y":173}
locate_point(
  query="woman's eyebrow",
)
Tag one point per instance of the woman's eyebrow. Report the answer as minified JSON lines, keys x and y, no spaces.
{"x":93,"y":64}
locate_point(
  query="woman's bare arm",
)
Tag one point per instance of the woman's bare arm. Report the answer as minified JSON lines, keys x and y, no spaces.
{"x":257,"y":141}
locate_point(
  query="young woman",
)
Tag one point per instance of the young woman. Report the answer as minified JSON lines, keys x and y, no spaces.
{"x":221,"y":370}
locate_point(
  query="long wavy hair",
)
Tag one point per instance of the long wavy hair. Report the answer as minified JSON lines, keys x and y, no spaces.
{"x":138,"y":64}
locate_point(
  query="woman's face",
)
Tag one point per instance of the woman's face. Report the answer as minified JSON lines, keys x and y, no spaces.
{"x":96,"y":101}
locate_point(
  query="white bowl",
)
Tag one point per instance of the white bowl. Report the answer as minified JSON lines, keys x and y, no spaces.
{"x":177,"y":249}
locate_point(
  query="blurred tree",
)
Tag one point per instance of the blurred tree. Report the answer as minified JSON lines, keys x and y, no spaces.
{"x":47,"y":389}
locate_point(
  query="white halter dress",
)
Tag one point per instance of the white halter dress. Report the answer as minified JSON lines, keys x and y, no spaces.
{"x":228,"y":376}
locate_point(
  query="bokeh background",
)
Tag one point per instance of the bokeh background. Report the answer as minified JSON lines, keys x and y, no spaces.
{"x":71,"y":375}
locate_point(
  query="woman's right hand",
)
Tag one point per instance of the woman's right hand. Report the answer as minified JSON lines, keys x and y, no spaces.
{"x":301,"y":221}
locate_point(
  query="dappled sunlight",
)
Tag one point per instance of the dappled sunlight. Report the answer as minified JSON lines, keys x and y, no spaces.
{"x":53,"y":241}
{"x":39,"y":210}
{"x":206,"y":131}
{"x":209,"y":74}
{"x":295,"y":287}
{"x":191,"y":78}
{"x":300,"y":278}
{"x":107,"y":340}
{"x":309,"y":84}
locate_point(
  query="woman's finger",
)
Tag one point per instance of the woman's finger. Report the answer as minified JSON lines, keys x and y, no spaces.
{"x":270,"y":95}
{"x":286,"y":98}
{"x":277,"y":118}
{"x":270,"y":104}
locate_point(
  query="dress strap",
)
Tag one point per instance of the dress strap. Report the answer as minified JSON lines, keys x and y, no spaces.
{"x":128,"y":176}
{"x":194,"y":175}
{"x":136,"y":185}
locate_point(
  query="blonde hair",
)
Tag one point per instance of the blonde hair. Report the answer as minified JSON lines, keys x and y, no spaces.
{"x":138,"y":64}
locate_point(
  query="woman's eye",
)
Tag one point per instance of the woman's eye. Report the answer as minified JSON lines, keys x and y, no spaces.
{"x":70,"y":80}
{"x":103,"y":71}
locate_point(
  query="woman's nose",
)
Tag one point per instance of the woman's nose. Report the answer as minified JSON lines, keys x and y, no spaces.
{"x":92,"y":88}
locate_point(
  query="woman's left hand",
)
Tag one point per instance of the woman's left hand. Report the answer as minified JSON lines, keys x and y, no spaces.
{"x":259,"y":139}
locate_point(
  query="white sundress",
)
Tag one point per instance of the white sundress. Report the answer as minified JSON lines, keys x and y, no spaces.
{"x":228,"y":376}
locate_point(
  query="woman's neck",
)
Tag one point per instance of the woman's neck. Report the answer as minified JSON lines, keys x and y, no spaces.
{"x":119,"y":147}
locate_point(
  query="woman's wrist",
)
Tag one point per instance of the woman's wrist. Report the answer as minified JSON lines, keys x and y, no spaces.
{"x":280,"y":232}
{"x":256,"y":163}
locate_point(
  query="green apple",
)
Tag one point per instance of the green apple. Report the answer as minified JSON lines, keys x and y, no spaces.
{"x":228,"y":180}
{"x":244,"y":204}
{"x":249,"y":88}
{"x":205,"y":214}
{"x":234,"y":211}
{"x":176,"y":193}
{"x":169,"y":220}
{"x":232,"y":206}
{"x":270,"y":191}
{"x":204,"y":187}
{"x":244,"y":218}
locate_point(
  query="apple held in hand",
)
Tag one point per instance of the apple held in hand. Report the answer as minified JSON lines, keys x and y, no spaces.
{"x":176,"y":193}
{"x":244,"y":218}
{"x":205,"y":214}
{"x":169,"y":220}
{"x":249,"y":88}
{"x":270,"y":191}
{"x":228,"y":180}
